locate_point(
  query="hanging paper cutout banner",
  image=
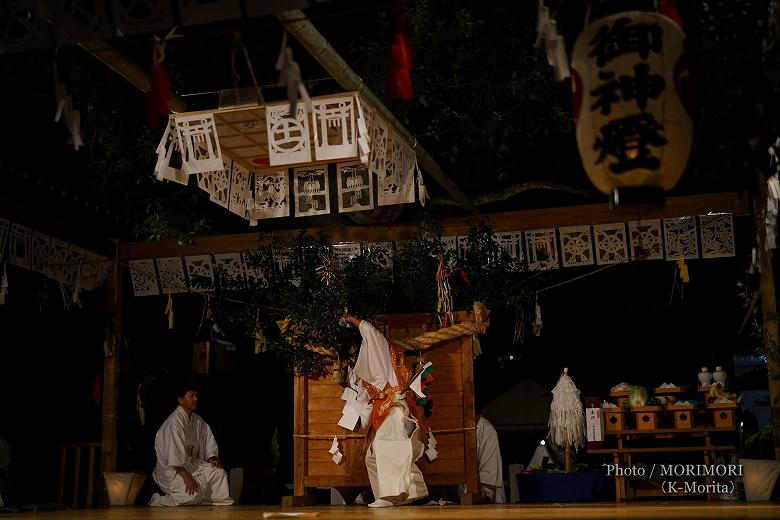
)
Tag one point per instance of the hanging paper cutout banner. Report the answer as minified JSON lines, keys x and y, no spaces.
{"x":254,"y":273}
{"x":646,"y":241}
{"x":94,"y":271}
{"x":356,"y":187}
{"x":510,"y":243}
{"x":288,"y":137}
{"x":630,"y":95}
{"x":364,"y":122}
{"x":40,"y":246}
{"x":72,"y":267}
{"x":5,"y":228}
{"x":680,"y":238}
{"x":312,"y":193}
{"x":169,"y":157}
{"x":220,"y":185}
{"x":717,"y":236}
{"x":611,"y":243}
{"x":200,"y":272}
{"x":335,"y":133}
{"x":239,"y":189}
{"x":541,"y":249}
{"x":19,"y":245}
{"x":395,"y":185}
{"x":143,"y":277}
{"x":576,"y":246}
{"x":3,"y":283}
{"x":58,"y":254}
{"x":380,"y":133}
{"x":229,"y":271}
{"x":272,"y":195}
{"x":199,"y":143}
{"x":172,"y":277}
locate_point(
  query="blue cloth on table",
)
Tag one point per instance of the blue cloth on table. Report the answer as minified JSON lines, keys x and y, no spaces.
{"x":564,"y":487}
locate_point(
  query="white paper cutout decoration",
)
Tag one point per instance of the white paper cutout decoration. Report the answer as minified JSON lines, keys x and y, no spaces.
{"x":717,"y":235}
{"x":229,"y":270}
{"x":395,"y":183}
{"x":364,"y":122}
{"x":168,"y":165}
{"x":171,"y":274}
{"x":252,"y":270}
{"x":239,"y":190}
{"x":72,"y":267}
{"x":380,"y":134}
{"x":450,"y":244}
{"x":646,"y":240}
{"x":463,"y":245}
{"x":199,"y":143}
{"x":611,"y":243}
{"x":288,"y":137}
{"x":5,"y":227}
{"x":58,"y":253}
{"x":576,"y":246}
{"x":19,"y":245}
{"x":94,"y":271}
{"x":205,"y":181}
{"x":541,"y":249}
{"x":383,"y":252}
{"x":312,"y":193}
{"x":681,"y":238}
{"x":283,"y":257}
{"x":40,"y":246}
{"x":200,"y":272}
{"x":356,"y":187}
{"x":220,"y":186}
{"x":346,"y":251}
{"x":272,"y":195}
{"x":335,"y":135}
{"x":510,"y":243}
{"x":144,"y":278}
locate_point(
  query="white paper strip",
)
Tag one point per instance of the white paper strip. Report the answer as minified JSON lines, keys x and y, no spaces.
{"x":379,"y":145}
{"x":312,"y":193}
{"x":199,"y":143}
{"x":144,"y":278}
{"x":168,"y":153}
{"x":355,"y":187}
{"x":172,"y":275}
{"x":288,"y":137}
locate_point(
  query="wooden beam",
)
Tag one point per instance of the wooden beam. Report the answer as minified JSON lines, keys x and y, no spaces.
{"x":729,"y":202}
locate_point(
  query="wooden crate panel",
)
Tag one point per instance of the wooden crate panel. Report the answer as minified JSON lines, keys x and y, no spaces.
{"x":330,"y":429}
{"x":447,"y":413}
{"x":326,"y":468}
{"x":440,"y":466}
{"x":327,"y":403}
{"x":445,"y":359}
{"x":320,"y":390}
{"x":331,"y":417}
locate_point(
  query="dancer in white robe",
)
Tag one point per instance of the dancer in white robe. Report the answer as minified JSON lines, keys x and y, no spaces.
{"x":398,"y":440}
{"x":188,"y":470}
{"x":491,"y":473}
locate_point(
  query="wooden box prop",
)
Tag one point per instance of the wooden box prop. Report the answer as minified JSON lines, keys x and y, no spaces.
{"x":646,"y":417}
{"x":614,"y":419}
{"x":724,"y":415}
{"x":684,"y":416}
{"x":318,"y":409}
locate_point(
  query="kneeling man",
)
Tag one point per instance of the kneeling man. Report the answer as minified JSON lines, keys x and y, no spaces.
{"x":188,"y":469}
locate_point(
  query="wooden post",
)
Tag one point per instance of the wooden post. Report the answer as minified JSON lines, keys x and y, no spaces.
{"x":473,"y":493}
{"x":769,"y":310}
{"x":299,"y":496}
{"x":111,"y":367}
{"x":568,"y":454}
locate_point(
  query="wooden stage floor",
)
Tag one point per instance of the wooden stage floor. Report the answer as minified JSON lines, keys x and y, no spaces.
{"x":648,"y":511}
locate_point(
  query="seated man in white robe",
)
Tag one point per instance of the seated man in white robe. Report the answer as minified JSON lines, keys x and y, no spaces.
{"x":188,"y":470}
{"x":399,"y":436}
{"x":491,"y":472}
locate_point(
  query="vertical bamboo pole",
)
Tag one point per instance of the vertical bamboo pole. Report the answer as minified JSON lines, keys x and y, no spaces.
{"x":111,"y":367}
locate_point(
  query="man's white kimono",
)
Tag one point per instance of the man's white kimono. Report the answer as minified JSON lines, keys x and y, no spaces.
{"x":390,"y":459}
{"x":491,"y":472}
{"x":184,"y":441}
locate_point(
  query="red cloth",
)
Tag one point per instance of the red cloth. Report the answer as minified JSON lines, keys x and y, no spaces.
{"x":669,"y":8}
{"x":399,"y":80}
{"x":158,"y":99}
{"x":96,"y":388}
